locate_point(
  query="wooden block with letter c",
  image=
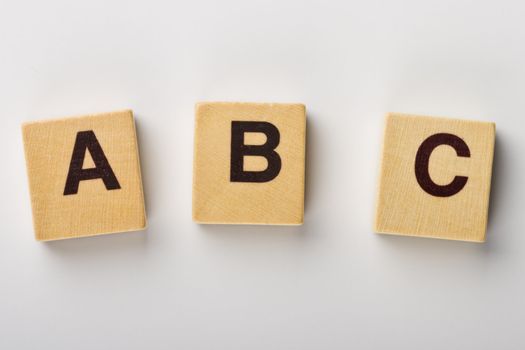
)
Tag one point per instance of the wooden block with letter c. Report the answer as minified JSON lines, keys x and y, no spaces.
{"x":249,"y":163}
{"x":435,"y":177}
{"x":84,"y":175}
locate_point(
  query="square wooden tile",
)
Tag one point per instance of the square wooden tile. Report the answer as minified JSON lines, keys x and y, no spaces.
{"x":84,"y":175}
{"x":435,"y":177}
{"x":249,"y":163}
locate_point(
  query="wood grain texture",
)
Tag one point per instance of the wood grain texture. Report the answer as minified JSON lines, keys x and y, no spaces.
{"x":216,"y":199}
{"x":404,"y":208}
{"x":94,"y":210}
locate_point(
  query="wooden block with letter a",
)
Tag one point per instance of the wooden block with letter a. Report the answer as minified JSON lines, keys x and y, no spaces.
{"x":84,"y":176}
{"x":249,"y":163}
{"x":435,"y":177}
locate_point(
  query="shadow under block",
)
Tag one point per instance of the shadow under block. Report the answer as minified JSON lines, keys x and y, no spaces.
{"x":435,"y":177}
{"x":84,"y":176}
{"x":249,"y":163}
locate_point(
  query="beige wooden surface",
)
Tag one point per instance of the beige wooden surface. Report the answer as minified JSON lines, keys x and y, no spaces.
{"x":218,"y":200}
{"x":93,"y":210}
{"x":404,"y":208}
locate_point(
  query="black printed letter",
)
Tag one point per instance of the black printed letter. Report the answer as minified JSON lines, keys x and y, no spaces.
{"x":422,"y":159}
{"x":86,"y":140}
{"x":239,"y":150}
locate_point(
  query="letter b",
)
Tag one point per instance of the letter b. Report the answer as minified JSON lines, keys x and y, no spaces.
{"x":239,"y":149}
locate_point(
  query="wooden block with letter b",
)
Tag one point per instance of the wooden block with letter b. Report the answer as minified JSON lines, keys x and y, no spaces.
{"x":84,"y":176}
{"x":249,"y":163}
{"x":435,"y":177}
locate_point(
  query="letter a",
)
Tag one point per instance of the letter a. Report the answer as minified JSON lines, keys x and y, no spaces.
{"x":86,"y":140}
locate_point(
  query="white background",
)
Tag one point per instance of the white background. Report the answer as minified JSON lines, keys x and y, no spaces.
{"x":330,"y":284}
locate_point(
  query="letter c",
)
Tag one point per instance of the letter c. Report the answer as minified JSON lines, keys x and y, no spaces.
{"x":422,"y":161}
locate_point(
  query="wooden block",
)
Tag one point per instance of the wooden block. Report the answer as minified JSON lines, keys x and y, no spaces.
{"x":84,"y":176}
{"x":435,"y":177}
{"x":249,"y":163}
